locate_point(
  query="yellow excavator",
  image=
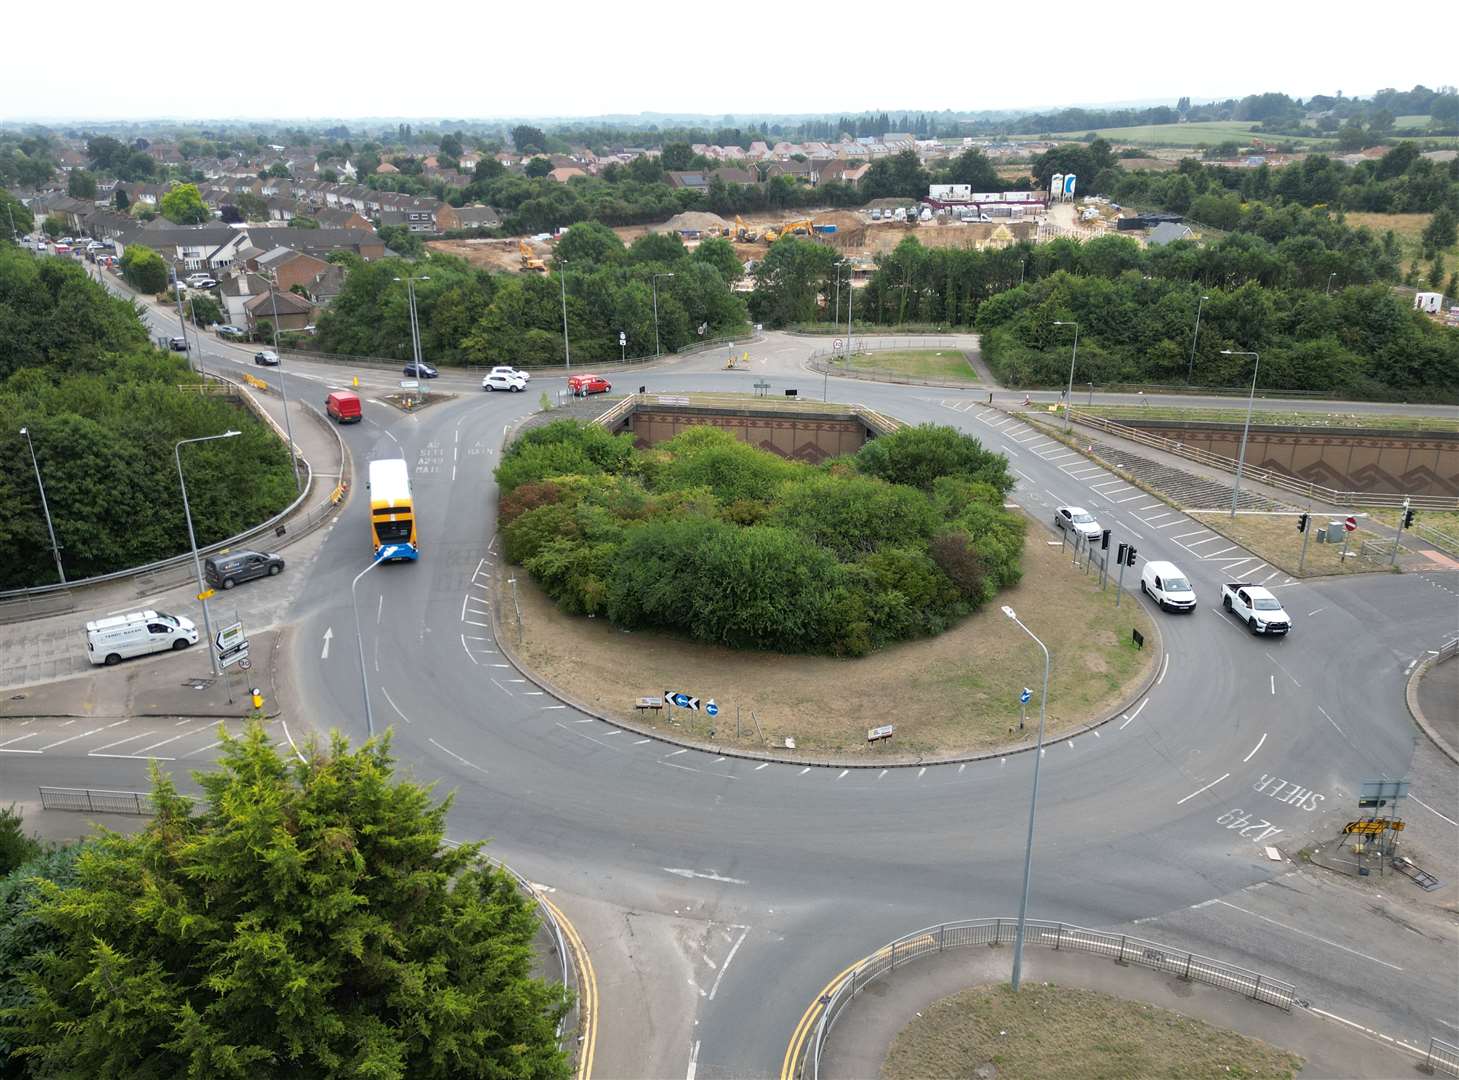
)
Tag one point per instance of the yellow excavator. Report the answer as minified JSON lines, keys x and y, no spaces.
{"x":529,"y":260}
{"x":803,"y":227}
{"x":743,"y":233}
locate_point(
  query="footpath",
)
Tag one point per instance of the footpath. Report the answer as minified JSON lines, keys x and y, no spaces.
{"x":865,"y":1029}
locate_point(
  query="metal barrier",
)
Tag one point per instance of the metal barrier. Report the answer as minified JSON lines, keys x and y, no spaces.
{"x":1442,"y":1057}
{"x":1270,"y":477}
{"x":1121,"y":948}
{"x":880,"y":343}
{"x":92,"y":801}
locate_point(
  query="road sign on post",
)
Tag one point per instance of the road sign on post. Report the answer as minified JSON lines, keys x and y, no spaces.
{"x":710,"y":708}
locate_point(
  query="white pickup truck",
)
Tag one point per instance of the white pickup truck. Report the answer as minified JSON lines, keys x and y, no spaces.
{"x":1256,"y":607}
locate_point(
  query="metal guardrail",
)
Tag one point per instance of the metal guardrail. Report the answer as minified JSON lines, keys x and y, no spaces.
{"x":1121,"y":948}
{"x":1441,"y":1057}
{"x":881,"y":343}
{"x":93,"y":801}
{"x":1270,"y":477}
{"x":1440,"y":539}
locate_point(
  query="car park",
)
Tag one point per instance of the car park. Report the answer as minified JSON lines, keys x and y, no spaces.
{"x":420,"y":371}
{"x":497,"y":380}
{"x":503,"y":369}
{"x":1167,"y":586}
{"x":583,"y":385}
{"x":266,"y":357}
{"x":231,"y":568}
{"x":1077,"y":520}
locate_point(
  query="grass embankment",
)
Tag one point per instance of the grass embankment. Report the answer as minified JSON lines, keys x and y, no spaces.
{"x":1408,"y":228}
{"x":945,"y":364}
{"x":1275,"y":417}
{"x":1201,"y":133}
{"x":1274,"y":537}
{"x":1045,"y":1032}
{"x":955,"y":692}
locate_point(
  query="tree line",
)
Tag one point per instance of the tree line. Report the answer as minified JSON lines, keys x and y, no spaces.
{"x":474,"y":316}
{"x":104,"y":410}
{"x":723,"y":542}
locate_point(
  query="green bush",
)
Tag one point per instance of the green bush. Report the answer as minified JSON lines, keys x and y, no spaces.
{"x":724,"y":543}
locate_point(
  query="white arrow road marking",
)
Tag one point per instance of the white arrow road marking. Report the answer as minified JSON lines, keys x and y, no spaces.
{"x":706,"y":876}
{"x":328,"y":633}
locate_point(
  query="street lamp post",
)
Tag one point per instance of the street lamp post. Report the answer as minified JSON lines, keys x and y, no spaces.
{"x":193,"y":539}
{"x":45,"y":507}
{"x":181,"y":322}
{"x":1250,"y":401}
{"x":1069,"y":394}
{"x":1033,"y":803}
{"x":562,"y":280}
{"x":850,"y":295}
{"x":283,"y":383}
{"x":836,"y":319}
{"x":410,"y":280}
{"x":360,"y":642}
{"x":655,"y":283}
{"x":1328,"y":290}
{"x":1190,"y":373}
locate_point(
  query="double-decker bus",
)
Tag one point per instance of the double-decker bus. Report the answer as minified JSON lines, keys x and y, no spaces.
{"x":392,"y":513}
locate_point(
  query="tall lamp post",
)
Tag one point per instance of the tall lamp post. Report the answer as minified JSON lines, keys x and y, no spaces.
{"x":45,"y":507}
{"x":1250,"y":401}
{"x":566,"y":348}
{"x":1033,"y":803}
{"x":360,"y":642}
{"x":1328,"y":290}
{"x":1069,"y":395}
{"x":1190,"y":373}
{"x":182,"y":322}
{"x":410,"y":280}
{"x":850,"y":295}
{"x":192,"y":538}
{"x":655,"y":282}
{"x":836,"y":318}
{"x":283,"y":382}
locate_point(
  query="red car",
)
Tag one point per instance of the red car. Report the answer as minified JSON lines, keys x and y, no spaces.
{"x":582,"y":385}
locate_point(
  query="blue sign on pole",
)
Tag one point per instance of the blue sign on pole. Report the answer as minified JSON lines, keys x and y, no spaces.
{"x":1025,"y":696}
{"x":681,"y":700}
{"x":711,"y":708}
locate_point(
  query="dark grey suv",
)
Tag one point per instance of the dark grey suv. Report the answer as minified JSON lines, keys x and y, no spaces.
{"x":226,"y":571}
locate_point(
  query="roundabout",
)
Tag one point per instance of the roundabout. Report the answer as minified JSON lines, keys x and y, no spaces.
{"x":716,"y":892}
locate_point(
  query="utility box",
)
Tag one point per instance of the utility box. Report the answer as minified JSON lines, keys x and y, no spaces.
{"x":1322,"y":536}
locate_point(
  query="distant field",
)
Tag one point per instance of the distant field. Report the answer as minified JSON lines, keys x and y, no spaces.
{"x":1210,"y":132}
{"x":1411,"y":122}
{"x":1409,"y":230}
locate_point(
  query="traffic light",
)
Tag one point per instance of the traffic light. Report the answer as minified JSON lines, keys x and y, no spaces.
{"x":1130,"y":556}
{"x":1302,"y":522}
{"x":1120,"y":555}
{"x":1408,"y":519}
{"x":1104,"y":541}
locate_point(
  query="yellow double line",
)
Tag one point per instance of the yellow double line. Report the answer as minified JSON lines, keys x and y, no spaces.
{"x":587,"y":989}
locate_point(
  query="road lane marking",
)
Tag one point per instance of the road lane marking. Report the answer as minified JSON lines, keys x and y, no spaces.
{"x":73,"y":738}
{"x":1254,"y":749}
{"x":455,"y":755}
{"x":843,"y":773}
{"x":1129,"y":717}
{"x":1164,"y":667}
{"x":763,"y":765}
{"x":1304,"y":933}
{"x":804,"y":771}
{"x":587,"y":990}
{"x":1274,"y":684}
{"x":714,"y":989}
{"x":394,"y":706}
{"x":1431,"y":810}
{"x":1208,"y":787}
{"x":1182,"y":536}
{"x":676,"y":753}
{"x":1330,"y":720}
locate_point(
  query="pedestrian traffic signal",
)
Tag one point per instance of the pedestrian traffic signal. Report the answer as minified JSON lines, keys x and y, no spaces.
{"x":1120,"y":555}
{"x":1130,"y":556}
{"x":1104,"y":541}
{"x":1408,"y":519}
{"x":1302,"y":522}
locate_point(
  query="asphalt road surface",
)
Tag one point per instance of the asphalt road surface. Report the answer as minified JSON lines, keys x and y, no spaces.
{"x":718,"y":895}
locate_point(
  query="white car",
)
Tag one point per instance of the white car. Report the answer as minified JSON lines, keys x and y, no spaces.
{"x":499,"y":381}
{"x":1167,"y":586}
{"x":1077,"y":520}
{"x":503,"y":369}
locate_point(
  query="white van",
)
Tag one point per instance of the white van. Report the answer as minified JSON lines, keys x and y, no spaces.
{"x":1167,"y":586}
{"x":111,"y":640}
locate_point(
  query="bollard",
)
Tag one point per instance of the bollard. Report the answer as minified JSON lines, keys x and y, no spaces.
{"x":257,"y":697}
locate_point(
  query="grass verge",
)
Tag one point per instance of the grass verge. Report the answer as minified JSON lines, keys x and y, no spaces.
{"x":1042,"y":1032}
{"x":948,"y":364}
{"x":1274,"y":537}
{"x":955,"y":692}
{"x":1276,"y":417}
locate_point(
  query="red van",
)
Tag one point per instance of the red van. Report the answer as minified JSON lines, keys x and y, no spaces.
{"x":344,"y":407}
{"x":582,"y":385}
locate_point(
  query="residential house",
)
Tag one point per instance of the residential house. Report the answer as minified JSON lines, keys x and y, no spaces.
{"x":284,"y":310}
{"x":326,"y":285}
{"x":475,"y":217}
{"x":288,"y":268}
{"x":330,"y":217}
{"x":565,"y":173}
{"x":416,"y":219}
{"x":237,"y":288}
{"x":1167,"y":232}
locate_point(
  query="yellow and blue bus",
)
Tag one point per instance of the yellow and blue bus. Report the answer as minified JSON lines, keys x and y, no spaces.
{"x":392,"y":512}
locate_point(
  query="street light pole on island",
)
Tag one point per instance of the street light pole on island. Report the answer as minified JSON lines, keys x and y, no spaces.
{"x":193,"y":539}
{"x":1033,"y":803}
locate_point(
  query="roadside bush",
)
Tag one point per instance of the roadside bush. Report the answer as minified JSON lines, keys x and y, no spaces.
{"x":724,"y":543}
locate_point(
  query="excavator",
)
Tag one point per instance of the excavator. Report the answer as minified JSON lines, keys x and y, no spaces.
{"x":803,"y":227}
{"x":529,"y":260}
{"x":743,"y":233}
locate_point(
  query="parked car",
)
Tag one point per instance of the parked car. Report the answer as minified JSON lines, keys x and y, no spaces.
{"x":423,"y":371}
{"x":498,"y":380}
{"x":1167,"y":586}
{"x":583,"y":385}
{"x":203,"y":284}
{"x":1077,"y":520}
{"x":226,"y":571}
{"x":110,"y":641}
{"x":194,"y":280}
{"x":177,"y":344}
{"x":266,"y":357}
{"x":62,"y":248}
{"x":232,"y":333}
{"x":503,"y":369}
{"x":343,"y":407}
{"x":875,"y":214}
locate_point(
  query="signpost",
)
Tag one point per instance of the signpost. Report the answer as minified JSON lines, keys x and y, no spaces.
{"x":1375,"y":795}
{"x":1349,"y":526}
{"x":710,"y":708}
{"x":1023,"y":700}
{"x":622,"y":346}
{"x":885,"y":731}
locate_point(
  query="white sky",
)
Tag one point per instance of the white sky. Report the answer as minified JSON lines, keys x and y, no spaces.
{"x":465,"y":58}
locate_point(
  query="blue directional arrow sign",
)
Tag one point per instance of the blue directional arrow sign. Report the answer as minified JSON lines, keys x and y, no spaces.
{"x":711,"y":708}
{"x":1024,"y":697}
{"x":681,"y":700}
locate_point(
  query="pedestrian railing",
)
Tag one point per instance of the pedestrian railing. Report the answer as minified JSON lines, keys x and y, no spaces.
{"x":1269,"y":477}
{"x":1442,"y":1057}
{"x":92,"y":801}
{"x":1121,"y":948}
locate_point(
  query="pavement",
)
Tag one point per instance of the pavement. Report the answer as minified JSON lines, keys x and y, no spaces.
{"x":1438,"y":696}
{"x":865,"y":1029}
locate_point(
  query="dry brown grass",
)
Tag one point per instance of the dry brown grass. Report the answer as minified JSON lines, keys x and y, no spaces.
{"x":1041,"y":1032}
{"x":1275,"y":538}
{"x":954,"y":692}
